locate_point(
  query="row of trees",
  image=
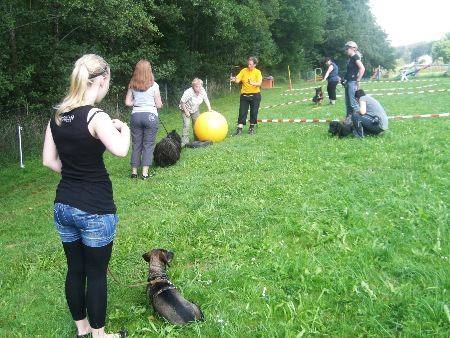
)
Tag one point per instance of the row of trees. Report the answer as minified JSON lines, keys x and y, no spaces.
{"x":439,"y":50}
{"x":40,"y":40}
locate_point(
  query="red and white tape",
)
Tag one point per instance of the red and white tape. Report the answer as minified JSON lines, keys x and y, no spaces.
{"x":383,"y":94}
{"x":329,"y":120}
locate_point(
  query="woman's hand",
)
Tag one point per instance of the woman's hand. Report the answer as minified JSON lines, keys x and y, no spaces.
{"x":118,"y":124}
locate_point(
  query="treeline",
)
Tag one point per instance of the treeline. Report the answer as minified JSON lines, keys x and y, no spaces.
{"x":40,"y":41}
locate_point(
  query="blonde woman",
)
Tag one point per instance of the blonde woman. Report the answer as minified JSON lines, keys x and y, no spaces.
{"x":354,"y":74}
{"x":190,"y":107}
{"x":145,"y":98}
{"x":84,"y":211}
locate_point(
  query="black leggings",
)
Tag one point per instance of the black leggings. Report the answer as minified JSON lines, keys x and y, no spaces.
{"x":86,"y":264}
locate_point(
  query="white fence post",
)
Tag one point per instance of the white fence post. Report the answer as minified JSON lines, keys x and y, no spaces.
{"x":20,"y":147}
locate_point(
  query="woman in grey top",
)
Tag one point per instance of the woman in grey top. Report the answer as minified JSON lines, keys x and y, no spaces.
{"x":370,"y":118}
{"x":145,"y":98}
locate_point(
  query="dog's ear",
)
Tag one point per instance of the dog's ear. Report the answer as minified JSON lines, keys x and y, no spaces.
{"x":169,"y":257}
{"x":166,"y":256}
{"x":146,"y":256}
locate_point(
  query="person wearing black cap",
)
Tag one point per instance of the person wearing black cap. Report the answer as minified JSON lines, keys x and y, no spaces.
{"x":355,"y":71}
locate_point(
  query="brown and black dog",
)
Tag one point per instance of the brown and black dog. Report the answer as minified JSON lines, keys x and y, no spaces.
{"x":318,"y":98}
{"x":164,"y":296}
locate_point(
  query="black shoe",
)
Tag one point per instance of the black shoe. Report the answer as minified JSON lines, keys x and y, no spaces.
{"x":122,"y":334}
{"x":148,"y":176}
{"x":133,"y":176}
{"x":251,"y":131}
{"x":238,"y":132}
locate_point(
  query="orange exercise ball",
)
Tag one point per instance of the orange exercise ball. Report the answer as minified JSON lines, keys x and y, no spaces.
{"x":211,"y":126}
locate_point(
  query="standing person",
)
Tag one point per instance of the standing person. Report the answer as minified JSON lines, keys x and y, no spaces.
{"x":84,"y":211}
{"x":333,"y":79}
{"x":251,"y":79}
{"x":355,"y":71}
{"x":145,"y":98}
{"x":370,"y":118}
{"x":189,"y":106}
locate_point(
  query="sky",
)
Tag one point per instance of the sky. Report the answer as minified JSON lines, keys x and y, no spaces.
{"x":407,"y":22}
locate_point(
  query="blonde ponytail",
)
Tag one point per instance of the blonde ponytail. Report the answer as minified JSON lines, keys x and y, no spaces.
{"x":86,"y":68}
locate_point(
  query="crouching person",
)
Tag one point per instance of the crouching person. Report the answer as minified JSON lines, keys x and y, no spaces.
{"x":371,"y":118}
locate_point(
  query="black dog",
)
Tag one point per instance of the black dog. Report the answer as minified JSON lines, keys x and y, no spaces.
{"x":164,"y":296}
{"x":340,"y":129}
{"x":168,"y":150}
{"x":318,"y":98}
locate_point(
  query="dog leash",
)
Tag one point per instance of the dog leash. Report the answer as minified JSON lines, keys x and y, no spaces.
{"x":152,"y":282}
{"x":159,"y":118}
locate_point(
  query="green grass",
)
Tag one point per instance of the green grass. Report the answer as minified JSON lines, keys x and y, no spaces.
{"x":286,"y":233}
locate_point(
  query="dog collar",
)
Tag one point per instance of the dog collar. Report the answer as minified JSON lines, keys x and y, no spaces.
{"x":169,"y":286}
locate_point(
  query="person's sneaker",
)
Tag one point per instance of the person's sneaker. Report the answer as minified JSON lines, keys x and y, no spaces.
{"x":251,"y":131}
{"x":133,"y":176}
{"x":148,"y":176}
{"x":238,"y":132}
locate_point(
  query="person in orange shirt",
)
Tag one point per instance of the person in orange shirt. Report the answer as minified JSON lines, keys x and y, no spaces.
{"x":251,"y":80}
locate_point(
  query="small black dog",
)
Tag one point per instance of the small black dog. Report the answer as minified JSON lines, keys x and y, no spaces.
{"x":164,"y":296}
{"x":318,"y":98}
{"x":340,"y":129}
{"x":167,"y":151}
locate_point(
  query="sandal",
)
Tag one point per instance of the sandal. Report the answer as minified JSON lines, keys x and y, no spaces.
{"x":134,"y":176}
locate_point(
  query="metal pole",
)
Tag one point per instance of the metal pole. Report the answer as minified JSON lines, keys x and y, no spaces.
{"x":167,"y":101}
{"x":20,"y":147}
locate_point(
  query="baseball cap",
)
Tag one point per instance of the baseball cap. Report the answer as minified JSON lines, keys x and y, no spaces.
{"x":350,"y":44}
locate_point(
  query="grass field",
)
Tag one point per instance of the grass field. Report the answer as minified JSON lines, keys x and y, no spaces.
{"x":285,"y":233}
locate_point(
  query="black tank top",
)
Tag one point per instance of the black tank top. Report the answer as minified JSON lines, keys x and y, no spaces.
{"x":85,"y":183}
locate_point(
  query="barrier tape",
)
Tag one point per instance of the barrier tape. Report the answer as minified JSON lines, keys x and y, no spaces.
{"x":368,"y":91}
{"x":330,"y":120}
{"x":383,"y":94}
{"x":409,"y":93}
{"x":387,"y":81}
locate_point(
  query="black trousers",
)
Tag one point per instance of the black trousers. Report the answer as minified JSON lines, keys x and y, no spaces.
{"x":365,"y":125}
{"x":331,"y":89}
{"x":247,"y":101}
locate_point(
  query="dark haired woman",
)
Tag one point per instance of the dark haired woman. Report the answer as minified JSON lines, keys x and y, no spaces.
{"x":333,"y":79}
{"x":370,"y":118}
{"x":251,"y":80}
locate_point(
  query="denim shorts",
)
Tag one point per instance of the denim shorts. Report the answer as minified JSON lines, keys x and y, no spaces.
{"x":73,"y":224}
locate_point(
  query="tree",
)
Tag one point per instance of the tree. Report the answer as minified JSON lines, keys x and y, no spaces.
{"x":183,"y":39}
{"x":441,"y":49}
